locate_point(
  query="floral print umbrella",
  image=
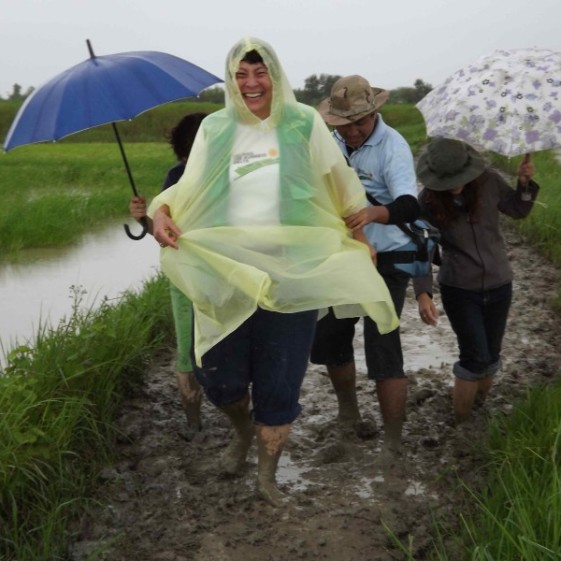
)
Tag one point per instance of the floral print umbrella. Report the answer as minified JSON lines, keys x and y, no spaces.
{"x":507,"y":102}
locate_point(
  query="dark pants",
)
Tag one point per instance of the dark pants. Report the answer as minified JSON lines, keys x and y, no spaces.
{"x":333,"y":342}
{"x":479,"y":322}
{"x":269,"y":351}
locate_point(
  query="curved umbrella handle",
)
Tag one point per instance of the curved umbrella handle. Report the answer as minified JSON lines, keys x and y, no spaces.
{"x":132,"y":236}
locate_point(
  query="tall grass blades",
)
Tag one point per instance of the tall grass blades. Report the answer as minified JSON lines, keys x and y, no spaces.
{"x":521,"y":512}
{"x":58,"y":401}
{"x":517,"y":516}
{"x":54,"y":194}
{"x":543,"y":227}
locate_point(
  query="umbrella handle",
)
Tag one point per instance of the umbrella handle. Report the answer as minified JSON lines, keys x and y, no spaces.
{"x":143,"y":220}
{"x":132,"y":236}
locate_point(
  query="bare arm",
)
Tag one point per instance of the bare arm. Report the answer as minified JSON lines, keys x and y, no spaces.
{"x":427,"y":309}
{"x":165,"y":230}
{"x":359,"y":236}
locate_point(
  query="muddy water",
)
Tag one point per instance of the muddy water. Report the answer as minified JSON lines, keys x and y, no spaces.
{"x":37,"y":290}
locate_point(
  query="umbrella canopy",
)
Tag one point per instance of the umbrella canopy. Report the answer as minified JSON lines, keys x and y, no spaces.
{"x":102,"y":90}
{"x":507,"y":102}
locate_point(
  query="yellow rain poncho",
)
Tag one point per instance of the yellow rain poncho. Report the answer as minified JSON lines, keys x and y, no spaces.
{"x":284,"y":247}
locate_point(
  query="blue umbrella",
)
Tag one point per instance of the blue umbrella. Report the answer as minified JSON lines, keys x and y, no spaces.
{"x":102,"y":90}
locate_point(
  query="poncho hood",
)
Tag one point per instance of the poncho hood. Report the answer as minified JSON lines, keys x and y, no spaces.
{"x":282,"y":92}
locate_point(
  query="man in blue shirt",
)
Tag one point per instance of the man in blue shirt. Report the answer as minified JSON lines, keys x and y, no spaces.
{"x":384,"y":163}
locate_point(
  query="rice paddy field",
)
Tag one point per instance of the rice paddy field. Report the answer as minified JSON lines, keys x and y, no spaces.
{"x":59,"y":397}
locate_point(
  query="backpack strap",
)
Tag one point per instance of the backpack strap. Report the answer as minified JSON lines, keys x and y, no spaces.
{"x":403,"y":227}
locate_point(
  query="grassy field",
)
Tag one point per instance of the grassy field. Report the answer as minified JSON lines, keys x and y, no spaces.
{"x":59,"y":397}
{"x":147,"y":127}
{"x":54,"y":193}
{"x":58,"y":401}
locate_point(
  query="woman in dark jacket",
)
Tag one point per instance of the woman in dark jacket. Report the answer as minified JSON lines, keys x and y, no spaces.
{"x":464,"y":199}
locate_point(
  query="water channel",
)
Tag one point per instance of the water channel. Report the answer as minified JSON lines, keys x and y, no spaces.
{"x":37,"y":289}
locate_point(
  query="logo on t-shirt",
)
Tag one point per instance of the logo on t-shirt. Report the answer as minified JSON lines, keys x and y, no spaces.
{"x":247,"y":162}
{"x":364,"y":175}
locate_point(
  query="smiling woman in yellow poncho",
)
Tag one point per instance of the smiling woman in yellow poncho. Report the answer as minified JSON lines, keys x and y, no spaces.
{"x":261,"y":245}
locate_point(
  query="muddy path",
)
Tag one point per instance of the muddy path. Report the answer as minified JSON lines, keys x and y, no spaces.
{"x":164,"y":499}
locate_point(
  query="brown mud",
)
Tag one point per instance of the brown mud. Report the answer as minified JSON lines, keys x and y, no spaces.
{"x":164,"y":498}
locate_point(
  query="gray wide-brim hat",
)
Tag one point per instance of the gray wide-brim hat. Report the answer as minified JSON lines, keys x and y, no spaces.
{"x":352,"y":98}
{"x":446,"y":163}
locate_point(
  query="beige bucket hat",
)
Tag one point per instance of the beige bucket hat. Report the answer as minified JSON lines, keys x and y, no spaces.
{"x":352,"y":98}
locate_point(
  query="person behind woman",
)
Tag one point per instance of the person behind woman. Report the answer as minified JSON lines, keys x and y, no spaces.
{"x":181,"y":140}
{"x":463,"y":197}
{"x":257,"y":222}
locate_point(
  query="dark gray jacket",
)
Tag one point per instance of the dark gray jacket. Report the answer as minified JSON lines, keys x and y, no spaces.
{"x":473,"y":254}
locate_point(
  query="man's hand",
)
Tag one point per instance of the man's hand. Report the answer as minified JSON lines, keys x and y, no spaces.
{"x":367,"y":215}
{"x":360,"y":219}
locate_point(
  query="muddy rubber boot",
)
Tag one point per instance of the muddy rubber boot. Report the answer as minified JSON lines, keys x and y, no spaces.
{"x":343,"y":380}
{"x":234,"y":458}
{"x":463,"y":399}
{"x":392,"y":397}
{"x":392,"y":436}
{"x":270,"y":444}
{"x":483,"y":387}
{"x":191,"y":395}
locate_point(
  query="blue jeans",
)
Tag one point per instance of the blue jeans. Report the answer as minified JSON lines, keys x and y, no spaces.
{"x":269,"y":351}
{"x":478,"y":319}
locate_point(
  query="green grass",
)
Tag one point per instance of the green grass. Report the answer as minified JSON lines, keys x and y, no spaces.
{"x":58,"y":399}
{"x":58,"y":402}
{"x":543,"y":226}
{"x":519,"y":512}
{"x":55,"y":193}
{"x":151,"y":126}
{"x":515,"y":517}
{"x":407,"y":119}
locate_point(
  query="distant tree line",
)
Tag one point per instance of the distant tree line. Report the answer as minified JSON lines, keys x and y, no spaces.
{"x":18,"y":94}
{"x":316,"y":87}
{"x":410,"y":95}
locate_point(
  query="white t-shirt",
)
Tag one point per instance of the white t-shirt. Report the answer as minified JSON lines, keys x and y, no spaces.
{"x":254,"y":177}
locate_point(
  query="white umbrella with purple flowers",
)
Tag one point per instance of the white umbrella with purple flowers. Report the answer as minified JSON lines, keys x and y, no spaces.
{"x":507,"y":102}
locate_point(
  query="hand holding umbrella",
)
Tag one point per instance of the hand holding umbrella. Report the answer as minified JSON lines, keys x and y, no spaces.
{"x":103,"y":90}
{"x":526,"y":170}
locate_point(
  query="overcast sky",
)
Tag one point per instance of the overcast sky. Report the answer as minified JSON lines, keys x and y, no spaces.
{"x":392,"y":43}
